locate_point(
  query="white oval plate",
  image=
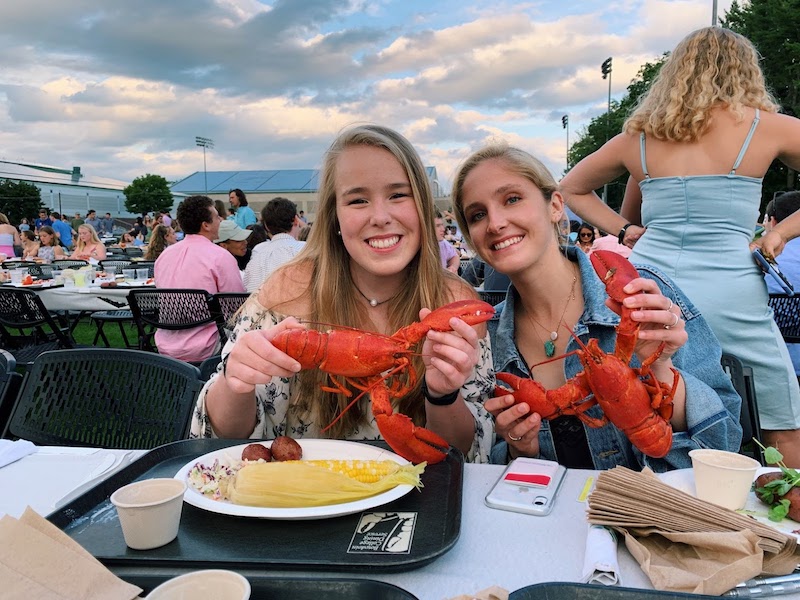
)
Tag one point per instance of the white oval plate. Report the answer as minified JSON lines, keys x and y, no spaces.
{"x":312,"y":450}
{"x":683,"y":480}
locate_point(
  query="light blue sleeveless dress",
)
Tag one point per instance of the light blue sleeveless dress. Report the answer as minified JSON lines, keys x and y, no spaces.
{"x":698,"y":232}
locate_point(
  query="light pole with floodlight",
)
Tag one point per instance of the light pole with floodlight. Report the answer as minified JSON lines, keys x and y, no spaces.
{"x":205,"y":143}
{"x":605,"y":68}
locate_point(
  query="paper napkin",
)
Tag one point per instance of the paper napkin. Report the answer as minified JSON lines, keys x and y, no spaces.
{"x":600,"y":559}
{"x":12,"y":451}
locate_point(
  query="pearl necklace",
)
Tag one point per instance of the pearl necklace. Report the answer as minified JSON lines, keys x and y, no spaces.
{"x":372,"y":301}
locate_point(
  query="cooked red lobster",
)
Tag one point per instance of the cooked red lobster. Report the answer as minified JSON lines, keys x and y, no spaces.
{"x":632,"y":399}
{"x":367,"y":360}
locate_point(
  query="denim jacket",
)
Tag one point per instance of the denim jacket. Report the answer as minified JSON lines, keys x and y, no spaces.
{"x":712,"y":404}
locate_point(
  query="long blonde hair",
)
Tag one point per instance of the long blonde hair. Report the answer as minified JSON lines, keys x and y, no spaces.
{"x":711,"y":67}
{"x":332,"y":294}
{"x":80,"y":245}
{"x":518,"y":161}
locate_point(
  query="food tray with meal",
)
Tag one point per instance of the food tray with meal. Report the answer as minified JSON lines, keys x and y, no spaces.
{"x":304,"y":588}
{"x":412,"y":529}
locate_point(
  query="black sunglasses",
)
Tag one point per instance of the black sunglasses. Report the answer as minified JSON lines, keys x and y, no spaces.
{"x":586,"y":235}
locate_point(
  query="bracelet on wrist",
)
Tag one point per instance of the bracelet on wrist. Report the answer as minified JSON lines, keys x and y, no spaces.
{"x":621,"y":235}
{"x":445,"y":400}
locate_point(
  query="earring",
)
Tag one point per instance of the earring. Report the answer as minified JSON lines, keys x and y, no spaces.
{"x":339,"y":233}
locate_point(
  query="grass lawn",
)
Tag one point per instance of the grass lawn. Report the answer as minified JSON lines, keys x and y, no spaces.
{"x":85,"y":331}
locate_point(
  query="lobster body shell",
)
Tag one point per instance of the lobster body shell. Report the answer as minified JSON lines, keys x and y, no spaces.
{"x":367,"y":360}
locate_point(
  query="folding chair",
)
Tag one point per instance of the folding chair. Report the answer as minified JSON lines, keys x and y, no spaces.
{"x":224,"y":306}
{"x":69,"y":263}
{"x":41,"y":271}
{"x":172,"y":309}
{"x":209,"y":366}
{"x":105,"y":397}
{"x":742,"y":380}
{"x":10,"y":382}
{"x":787,"y":316}
{"x":26,"y":327}
{"x":133,"y":252}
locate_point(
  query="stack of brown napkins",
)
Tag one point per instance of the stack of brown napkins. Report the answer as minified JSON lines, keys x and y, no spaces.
{"x":685,"y":544}
{"x":37,"y":560}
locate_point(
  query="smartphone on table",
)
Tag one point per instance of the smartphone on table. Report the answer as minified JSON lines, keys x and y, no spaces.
{"x":528,"y":485}
{"x":768,"y":266}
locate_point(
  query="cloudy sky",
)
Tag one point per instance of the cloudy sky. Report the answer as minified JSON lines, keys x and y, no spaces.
{"x":122,"y":88}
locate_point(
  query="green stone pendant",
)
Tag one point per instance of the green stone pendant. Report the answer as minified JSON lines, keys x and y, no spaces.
{"x":549,"y":348}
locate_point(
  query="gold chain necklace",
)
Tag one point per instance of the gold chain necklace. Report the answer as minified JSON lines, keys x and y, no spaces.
{"x":549,"y":345}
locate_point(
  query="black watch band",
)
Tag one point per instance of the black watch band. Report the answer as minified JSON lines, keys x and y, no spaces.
{"x":445,"y":400}
{"x":621,"y":236}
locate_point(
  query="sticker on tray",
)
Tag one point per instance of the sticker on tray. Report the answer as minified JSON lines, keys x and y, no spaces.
{"x":383,"y":533}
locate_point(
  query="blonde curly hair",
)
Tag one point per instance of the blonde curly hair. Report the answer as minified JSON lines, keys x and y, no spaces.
{"x":710,"y":67}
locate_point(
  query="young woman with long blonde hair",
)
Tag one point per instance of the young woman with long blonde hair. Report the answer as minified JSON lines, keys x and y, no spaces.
{"x":371,"y":262}
{"x":88,"y":245}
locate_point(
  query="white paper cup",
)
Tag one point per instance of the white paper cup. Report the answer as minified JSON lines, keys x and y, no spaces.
{"x":213,"y":584}
{"x":723,"y":478}
{"x":17,"y":275}
{"x":149,"y":511}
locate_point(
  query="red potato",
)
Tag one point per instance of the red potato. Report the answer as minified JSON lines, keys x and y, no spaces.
{"x":793,"y":495}
{"x":256,"y":452}
{"x":285,"y":448}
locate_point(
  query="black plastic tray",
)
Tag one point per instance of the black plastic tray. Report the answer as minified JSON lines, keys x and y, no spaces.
{"x":209,"y":540}
{"x":584,"y":591}
{"x":298,"y":588}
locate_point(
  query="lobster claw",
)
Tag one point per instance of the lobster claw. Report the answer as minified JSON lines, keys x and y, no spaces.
{"x":413,"y":443}
{"x":615,"y":271}
{"x":471,"y":312}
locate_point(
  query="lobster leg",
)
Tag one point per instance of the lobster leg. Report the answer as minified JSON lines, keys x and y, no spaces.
{"x":471,"y":312}
{"x":413,"y":443}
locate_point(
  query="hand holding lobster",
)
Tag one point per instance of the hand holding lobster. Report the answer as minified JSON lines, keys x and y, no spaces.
{"x":449,"y":356}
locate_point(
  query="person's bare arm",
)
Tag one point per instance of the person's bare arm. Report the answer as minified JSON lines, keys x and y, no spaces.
{"x":453,"y":264}
{"x":631,"y":207}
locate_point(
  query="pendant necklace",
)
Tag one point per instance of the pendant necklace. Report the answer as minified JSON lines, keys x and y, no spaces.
{"x":372,"y":301}
{"x":549,"y":345}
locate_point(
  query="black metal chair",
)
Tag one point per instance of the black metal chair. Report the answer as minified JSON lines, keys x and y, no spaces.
{"x":172,"y":309}
{"x":69,"y":263}
{"x":209,"y":366}
{"x":742,"y":380}
{"x":41,"y":271}
{"x":493,"y":297}
{"x":133,"y":252}
{"x":224,"y":306}
{"x":114,"y":267}
{"x":27,"y":328}
{"x":10,"y":382}
{"x":145,"y":264}
{"x":787,"y":316}
{"x":105,"y":397}
{"x":18,"y":264}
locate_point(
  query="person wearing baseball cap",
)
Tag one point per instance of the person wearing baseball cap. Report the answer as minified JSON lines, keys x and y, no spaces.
{"x":234,"y":239}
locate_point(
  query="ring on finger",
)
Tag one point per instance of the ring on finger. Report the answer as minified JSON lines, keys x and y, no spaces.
{"x":669,"y":308}
{"x":671,"y":325}
{"x":514,"y":439}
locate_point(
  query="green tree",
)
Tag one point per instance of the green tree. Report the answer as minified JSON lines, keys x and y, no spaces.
{"x":603,"y":127}
{"x":148,"y":193}
{"x":767,"y":24}
{"x":19,"y":199}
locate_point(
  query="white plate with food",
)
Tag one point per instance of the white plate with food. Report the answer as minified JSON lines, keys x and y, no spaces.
{"x":683,"y":480}
{"x":230,"y":460}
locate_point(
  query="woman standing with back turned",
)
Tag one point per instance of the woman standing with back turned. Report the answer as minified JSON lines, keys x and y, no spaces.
{"x":698,"y":145}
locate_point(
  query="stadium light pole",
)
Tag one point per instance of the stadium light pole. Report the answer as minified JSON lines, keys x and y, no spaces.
{"x":714,"y":14}
{"x":565,"y":125}
{"x":605,"y":68}
{"x":205,"y":143}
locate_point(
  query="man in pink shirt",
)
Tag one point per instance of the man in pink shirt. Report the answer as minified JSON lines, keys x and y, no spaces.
{"x":196,"y":262}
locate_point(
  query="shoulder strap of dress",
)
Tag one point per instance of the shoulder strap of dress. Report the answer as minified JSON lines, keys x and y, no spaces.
{"x":749,"y":137}
{"x":643,"y":156}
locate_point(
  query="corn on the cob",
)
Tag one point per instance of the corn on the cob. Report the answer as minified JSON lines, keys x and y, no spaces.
{"x":317,"y":483}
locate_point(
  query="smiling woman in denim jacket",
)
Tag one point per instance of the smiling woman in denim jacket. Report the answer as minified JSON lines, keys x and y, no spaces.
{"x":508,"y":207}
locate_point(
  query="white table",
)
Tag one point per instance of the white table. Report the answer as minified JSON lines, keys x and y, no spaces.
{"x":495,"y":547}
{"x":87,"y":299}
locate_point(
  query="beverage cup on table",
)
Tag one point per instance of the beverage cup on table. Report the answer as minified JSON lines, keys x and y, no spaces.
{"x":141,"y":274}
{"x":212,"y":583}
{"x":17,"y":275}
{"x":723,"y":478}
{"x":150,"y":511}
{"x":81,"y":278}
{"x":129,"y":274}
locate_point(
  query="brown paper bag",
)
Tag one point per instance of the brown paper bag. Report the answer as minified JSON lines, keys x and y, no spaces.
{"x":700,"y":563}
{"x":491,"y":593}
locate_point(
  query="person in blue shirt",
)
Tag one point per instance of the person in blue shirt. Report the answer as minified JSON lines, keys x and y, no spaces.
{"x":244,"y":215}
{"x":63,"y":230}
{"x":509,"y":210}
{"x":42,"y":220}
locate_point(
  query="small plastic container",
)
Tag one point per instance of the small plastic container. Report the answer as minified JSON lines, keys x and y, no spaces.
{"x":129,"y":274}
{"x":17,"y":275}
{"x":723,"y":478}
{"x":216,"y":584}
{"x":142,"y":274}
{"x":150,"y":511}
